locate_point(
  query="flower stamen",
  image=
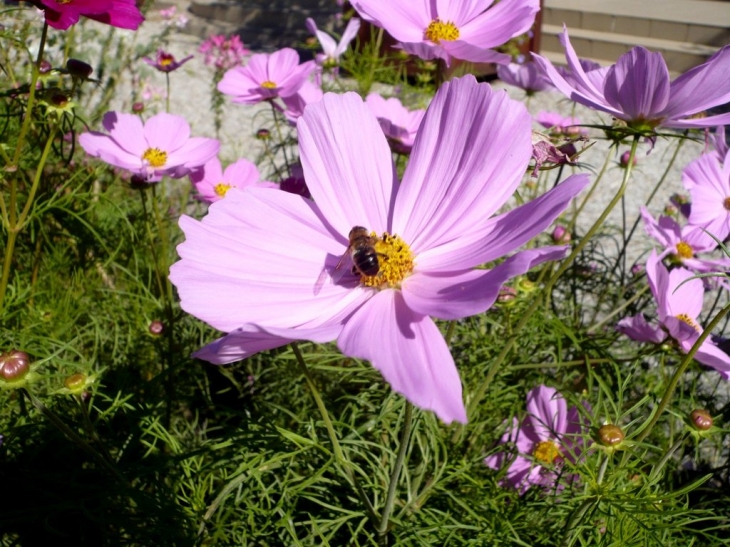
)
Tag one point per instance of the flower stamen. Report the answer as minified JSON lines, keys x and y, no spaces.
{"x":688,"y":320}
{"x":438,"y":30}
{"x":222,"y":188}
{"x":726,"y":204}
{"x":684,"y":250}
{"x":155,"y":157}
{"x":268,"y":84}
{"x":546,"y":452}
{"x":395,"y":260}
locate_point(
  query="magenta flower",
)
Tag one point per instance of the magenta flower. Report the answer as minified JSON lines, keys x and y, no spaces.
{"x":165,"y":62}
{"x":560,"y":125}
{"x":331,"y":50}
{"x":544,"y":439}
{"x":527,"y":76}
{"x":266,"y":76}
{"x":452,"y":30}
{"x":162,"y":146}
{"x":708,"y":182}
{"x":61,"y":14}
{"x":679,"y":303}
{"x":261,"y":265}
{"x":399,"y":124}
{"x":223,"y":53}
{"x":637,"y":88}
{"x":681,"y":244}
{"x":212,"y":183}
{"x":309,"y":93}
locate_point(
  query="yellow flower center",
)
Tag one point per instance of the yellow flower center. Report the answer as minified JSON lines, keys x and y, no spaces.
{"x":546,"y":452}
{"x":166,"y":61}
{"x":64,"y":1}
{"x":691,"y":322}
{"x":684,"y":250}
{"x":155,"y":157}
{"x":222,"y":188}
{"x":268,"y":84}
{"x":438,"y":30}
{"x":726,"y":204}
{"x":395,"y":260}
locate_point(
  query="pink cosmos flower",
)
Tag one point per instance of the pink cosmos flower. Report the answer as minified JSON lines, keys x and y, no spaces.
{"x":683,"y":243}
{"x":261,"y":265}
{"x":679,"y":303}
{"x":331,"y":50}
{"x":527,"y":76}
{"x":223,"y":53}
{"x":266,"y":76}
{"x":165,"y":62}
{"x":309,"y":93}
{"x":448,"y":30}
{"x":61,"y":14}
{"x":162,"y":146}
{"x":637,"y":88}
{"x":399,"y":124}
{"x":708,"y":182}
{"x":547,"y":436}
{"x":212,"y":183}
{"x":560,"y":125}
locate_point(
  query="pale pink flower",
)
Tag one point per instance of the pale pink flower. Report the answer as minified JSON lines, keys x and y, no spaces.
{"x":223,"y":53}
{"x":165,"y":62}
{"x":261,"y":265}
{"x":266,"y":76}
{"x":331,"y":50}
{"x":399,"y":124}
{"x":212,"y":183}
{"x":708,"y":181}
{"x":444,"y":29}
{"x":527,"y":76}
{"x":161,"y":146}
{"x":548,"y":435}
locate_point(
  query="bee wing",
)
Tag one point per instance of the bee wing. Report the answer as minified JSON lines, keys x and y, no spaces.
{"x":339,"y":271}
{"x":335,"y":276}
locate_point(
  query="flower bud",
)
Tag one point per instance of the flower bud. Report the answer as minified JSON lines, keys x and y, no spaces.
{"x":14,"y":365}
{"x":156,"y":328}
{"x":701,"y":419}
{"x":263,"y":134}
{"x":45,"y":67}
{"x":78,"y":69}
{"x":624,"y":160}
{"x":138,"y":107}
{"x":525,"y":285}
{"x":610,"y":435}
{"x":506,"y":294}
{"x":561,"y":235}
{"x":638,"y":269}
{"x":75,"y":382}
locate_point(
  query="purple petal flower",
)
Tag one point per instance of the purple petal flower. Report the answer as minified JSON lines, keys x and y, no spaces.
{"x":637,"y":88}
{"x":165,"y":62}
{"x":548,"y":435}
{"x":452,"y":30}
{"x":399,"y":124}
{"x":266,"y":76}
{"x":61,"y":14}
{"x":252,"y":267}
{"x":162,"y":146}
{"x":708,"y":182}
{"x":332,"y":51}
{"x":527,"y":76}
{"x":212,"y":183}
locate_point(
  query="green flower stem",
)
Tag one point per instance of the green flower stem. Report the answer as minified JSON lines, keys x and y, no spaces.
{"x":580,"y":513}
{"x":646,"y":429}
{"x":395,"y":475}
{"x":618,"y":310}
{"x":588,"y":196}
{"x":337,"y":448}
{"x":73,"y":436}
{"x":549,"y":285}
{"x":280,"y":134}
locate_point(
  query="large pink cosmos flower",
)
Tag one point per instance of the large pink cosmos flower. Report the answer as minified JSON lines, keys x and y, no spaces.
{"x":527,"y":76}
{"x":447,"y":30}
{"x":547,"y":436}
{"x":61,"y":14}
{"x":253,"y":267}
{"x":162,"y":146}
{"x":399,"y":124}
{"x":637,"y":88}
{"x":331,"y":50}
{"x":266,"y":76}
{"x":212,"y":183}
{"x":679,"y":303}
{"x":708,"y":180}
{"x":295,"y":104}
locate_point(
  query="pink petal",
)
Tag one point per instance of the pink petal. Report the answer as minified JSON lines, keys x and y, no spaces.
{"x":108,"y":150}
{"x":239,"y":344}
{"x":351,"y":30}
{"x":241,"y":173}
{"x":710,"y":355}
{"x":409,"y":351}
{"x":701,"y":87}
{"x":404,"y":21}
{"x":638,"y":84}
{"x":127,"y":130}
{"x":194,"y":153}
{"x":548,"y":412}
{"x":690,"y":123}
{"x":502,"y":21}
{"x":347,"y":163}
{"x":638,"y":329}
{"x":166,"y":131}
{"x":211,"y":173}
{"x":470,"y":154}
{"x":456,"y":295}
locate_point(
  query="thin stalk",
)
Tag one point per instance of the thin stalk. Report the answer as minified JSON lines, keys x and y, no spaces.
{"x":167,"y":95}
{"x":549,"y":285}
{"x":395,"y":475}
{"x":281,"y":136}
{"x":618,"y":310}
{"x":678,"y":373}
{"x":578,"y":515}
{"x":588,"y":196}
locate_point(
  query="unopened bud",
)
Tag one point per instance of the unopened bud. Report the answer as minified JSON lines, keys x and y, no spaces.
{"x":701,"y":419}
{"x":79,"y":69}
{"x":506,"y":294}
{"x":610,"y":435}
{"x":624,"y":160}
{"x":45,"y":67}
{"x":14,"y":365}
{"x":138,"y":107}
{"x":156,"y":328}
{"x":525,"y":285}
{"x":561,"y":235}
{"x":263,"y":134}
{"x":75,"y":382}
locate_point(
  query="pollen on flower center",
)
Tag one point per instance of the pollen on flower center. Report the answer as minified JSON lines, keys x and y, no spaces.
{"x":155,"y":157}
{"x":166,"y":60}
{"x":222,"y":188}
{"x":546,"y":452}
{"x":726,"y":204}
{"x":395,"y":261}
{"x":438,"y":30}
{"x":691,"y":322}
{"x":268,"y":84}
{"x":684,"y":250}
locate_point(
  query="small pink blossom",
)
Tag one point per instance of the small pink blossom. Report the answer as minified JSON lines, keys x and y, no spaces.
{"x":266,"y":76}
{"x":61,"y":14}
{"x":212,"y":183}
{"x":331,"y":50}
{"x":165,"y":62}
{"x":546,"y":437}
{"x":708,"y":181}
{"x":161,"y":146}
{"x":399,"y":124}
{"x":223,"y":53}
